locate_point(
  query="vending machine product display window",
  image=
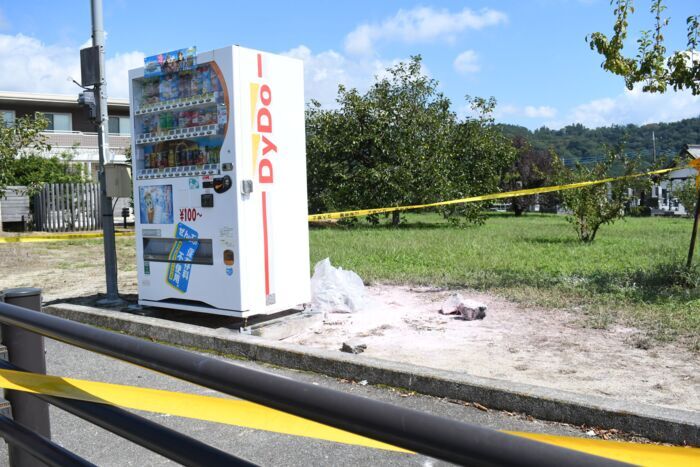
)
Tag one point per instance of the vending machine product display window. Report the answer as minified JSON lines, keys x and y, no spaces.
{"x":220,"y":181}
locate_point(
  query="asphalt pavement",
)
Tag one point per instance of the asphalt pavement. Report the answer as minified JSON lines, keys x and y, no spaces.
{"x":106,"y":449}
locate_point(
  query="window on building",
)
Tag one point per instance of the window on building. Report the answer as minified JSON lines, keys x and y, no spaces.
{"x":119,"y":126}
{"x":58,"y":121}
{"x":8,"y":117}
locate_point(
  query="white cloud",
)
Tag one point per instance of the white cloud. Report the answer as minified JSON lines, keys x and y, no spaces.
{"x":528,"y":111}
{"x":117,"y":71}
{"x":467,"y":62}
{"x":543,"y":111}
{"x":633,"y":106}
{"x":506,"y":109}
{"x":420,"y":25}
{"x":30,"y":65}
{"x":323,"y":72}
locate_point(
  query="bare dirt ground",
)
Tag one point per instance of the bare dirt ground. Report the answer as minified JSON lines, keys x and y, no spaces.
{"x":529,"y":345}
{"x":550,"y":348}
{"x":65,"y":269}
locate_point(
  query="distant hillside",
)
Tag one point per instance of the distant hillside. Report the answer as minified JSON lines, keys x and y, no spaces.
{"x":576,"y":142}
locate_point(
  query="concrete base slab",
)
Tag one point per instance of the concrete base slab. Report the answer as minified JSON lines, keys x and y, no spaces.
{"x":656,"y":423}
{"x":284,"y":327}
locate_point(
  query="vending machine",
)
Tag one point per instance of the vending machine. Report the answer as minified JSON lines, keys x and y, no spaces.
{"x":219,"y":170}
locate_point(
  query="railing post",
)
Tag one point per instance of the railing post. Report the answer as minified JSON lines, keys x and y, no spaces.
{"x":26,"y":350}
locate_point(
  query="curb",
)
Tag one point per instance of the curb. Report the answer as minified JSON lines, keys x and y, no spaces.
{"x":663,"y":424}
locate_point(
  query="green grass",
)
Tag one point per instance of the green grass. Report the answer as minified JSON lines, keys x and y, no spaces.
{"x":633,"y":273}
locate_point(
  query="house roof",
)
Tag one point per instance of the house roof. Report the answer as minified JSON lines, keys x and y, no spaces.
{"x":30,"y":97}
{"x":692,"y":150}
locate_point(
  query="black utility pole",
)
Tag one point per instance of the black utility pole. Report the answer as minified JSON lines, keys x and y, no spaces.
{"x":110,"y":250}
{"x":691,"y":250}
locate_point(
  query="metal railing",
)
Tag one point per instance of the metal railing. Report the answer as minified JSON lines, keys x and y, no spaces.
{"x":437,"y":437}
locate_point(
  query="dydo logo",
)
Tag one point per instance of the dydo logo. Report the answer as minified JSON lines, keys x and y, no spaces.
{"x":263,"y":148}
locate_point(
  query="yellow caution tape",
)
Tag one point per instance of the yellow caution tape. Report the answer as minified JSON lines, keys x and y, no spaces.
{"x":472,"y":199}
{"x":58,"y":237}
{"x":632,"y":453}
{"x":212,"y":409}
{"x":367,"y":212}
{"x":256,"y":416}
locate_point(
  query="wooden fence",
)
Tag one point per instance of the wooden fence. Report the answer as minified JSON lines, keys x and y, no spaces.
{"x":67,"y":207}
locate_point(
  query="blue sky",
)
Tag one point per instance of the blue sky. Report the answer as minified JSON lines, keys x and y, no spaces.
{"x":529,"y":54}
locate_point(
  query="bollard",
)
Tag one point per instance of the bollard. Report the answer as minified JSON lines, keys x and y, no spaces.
{"x":125,"y":214}
{"x":26,"y":350}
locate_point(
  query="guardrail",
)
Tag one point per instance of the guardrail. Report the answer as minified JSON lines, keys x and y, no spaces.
{"x":438,"y":437}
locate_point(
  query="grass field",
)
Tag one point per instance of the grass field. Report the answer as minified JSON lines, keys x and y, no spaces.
{"x":632,"y":274}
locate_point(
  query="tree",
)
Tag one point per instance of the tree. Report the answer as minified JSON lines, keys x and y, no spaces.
{"x":22,"y":140}
{"x":650,"y":66}
{"x":481,"y":155}
{"x":381,"y":148}
{"x":400,"y":143}
{"x":33,"y":170}
{"x":532,"y":169}
{"x":593,"y":206}
{"x":687,"y":195}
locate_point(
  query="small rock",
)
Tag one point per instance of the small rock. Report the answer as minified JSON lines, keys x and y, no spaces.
{"x":590,"y":433}
{"x":353,"y":347}
{"x":363,"y":382}
{"x":467,"y":309}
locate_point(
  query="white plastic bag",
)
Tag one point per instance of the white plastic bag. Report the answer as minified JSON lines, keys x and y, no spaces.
{"x":336,"y":290}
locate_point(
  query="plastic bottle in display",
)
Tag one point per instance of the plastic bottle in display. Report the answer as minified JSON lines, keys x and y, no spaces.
{"x":206,"y":80}
{"x":174,"y":87}
{"x":163,"y":89}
